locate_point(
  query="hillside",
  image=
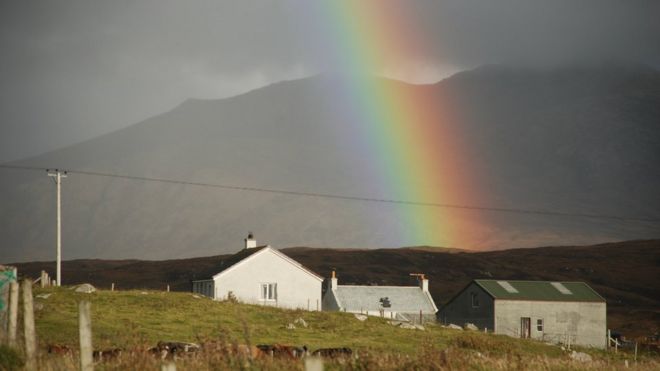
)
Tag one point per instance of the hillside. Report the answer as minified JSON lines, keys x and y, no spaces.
{"x":137,"y":320}
{"x":624,"y":273}
{"x":580,"y":139}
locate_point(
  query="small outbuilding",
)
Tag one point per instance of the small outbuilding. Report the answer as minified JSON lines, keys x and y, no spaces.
{"x":560,"y":312}
{"x":404,"y":303}
{"x":262,"y":275}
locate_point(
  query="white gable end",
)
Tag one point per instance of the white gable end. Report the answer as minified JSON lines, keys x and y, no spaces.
{"x":269,"y":277}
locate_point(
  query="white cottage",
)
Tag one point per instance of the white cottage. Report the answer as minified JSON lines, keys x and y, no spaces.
{"x":265,"y":276}
{"x":405,"y":303}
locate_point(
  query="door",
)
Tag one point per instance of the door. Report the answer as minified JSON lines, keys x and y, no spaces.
{"x":525,"y":325}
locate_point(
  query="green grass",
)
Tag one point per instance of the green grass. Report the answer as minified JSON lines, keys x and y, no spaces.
{"x":135,"y":320}
{"x":131,"y":317}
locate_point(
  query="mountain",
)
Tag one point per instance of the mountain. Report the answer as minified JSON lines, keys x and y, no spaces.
{"x":625,"y":273}
{"x":576,"y":139}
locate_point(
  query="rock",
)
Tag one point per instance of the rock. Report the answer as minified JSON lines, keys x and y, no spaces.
{"x":144,"y":293}
{"x":580,"y":357}
{"x":361,"y":317}
{"x":290,"y":326}
{"x":44,"y":296}
{"x":300,"y":321}
{"x":196,"y":296}
{"x":406,"y":325}
{"x":453,"y":327}
{"x":471,"y":327}
{"x":85,"y":288}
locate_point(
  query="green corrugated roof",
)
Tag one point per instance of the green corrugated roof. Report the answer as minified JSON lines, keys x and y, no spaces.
{"x":539,"y":290}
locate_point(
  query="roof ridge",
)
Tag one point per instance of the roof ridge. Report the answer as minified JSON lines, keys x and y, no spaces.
{"x":402,"y":287}
{"x":538,"y":281}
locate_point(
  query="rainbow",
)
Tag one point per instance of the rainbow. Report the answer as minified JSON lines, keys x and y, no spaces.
{"x":414,"y":142}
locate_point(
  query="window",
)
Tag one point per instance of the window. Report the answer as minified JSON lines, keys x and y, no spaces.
{"x":475,"y":300}
{"x":268,"y":291}
{"x":539,"y":325}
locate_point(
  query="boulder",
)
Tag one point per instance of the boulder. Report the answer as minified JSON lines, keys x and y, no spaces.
{"x":300,"y":321}
{"x":361,"y":317}
{"x":406,"y":325}
{"x":471,"y":327}
{"x":453,"y":327}
{"x":85,"y":288}
{"x":580,"y":356}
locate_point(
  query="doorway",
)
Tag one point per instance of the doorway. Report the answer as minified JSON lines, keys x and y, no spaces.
{"x":525,"y":327}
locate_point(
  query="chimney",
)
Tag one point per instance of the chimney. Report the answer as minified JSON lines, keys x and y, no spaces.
{"x":423,"y":282}
{"x":250,"y":242}
{"x":333,"y":281}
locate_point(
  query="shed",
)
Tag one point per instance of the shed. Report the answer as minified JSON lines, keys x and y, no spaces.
{"x":559,"y":312}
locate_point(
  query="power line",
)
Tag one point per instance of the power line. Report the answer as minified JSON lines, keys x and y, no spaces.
{"x":349,"y":198}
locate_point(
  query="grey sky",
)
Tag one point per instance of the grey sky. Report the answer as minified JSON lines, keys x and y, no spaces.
{"x":71,"y":70}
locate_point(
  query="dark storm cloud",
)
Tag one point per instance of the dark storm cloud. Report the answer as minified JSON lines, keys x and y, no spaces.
{"x":73,"y":69}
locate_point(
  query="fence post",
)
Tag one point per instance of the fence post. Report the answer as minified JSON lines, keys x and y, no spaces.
{"x":313,"y":364}
{"x":168,"y":366}
{"x":317,"y":305}
{"x":28,"y":326}
{"x":7,"y":275}
{"x":85,"y":330}
{"x":13,"y":313}
{"x":112,"y":287}
{"x":168,"y":288}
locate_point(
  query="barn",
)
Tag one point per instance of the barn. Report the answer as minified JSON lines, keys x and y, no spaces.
{"x":404,"y":303}
{"x":559,"y":312}
{"x":262,"y":275}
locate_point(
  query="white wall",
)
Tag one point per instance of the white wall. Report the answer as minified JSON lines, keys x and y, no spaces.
{"x":585,"y":323}
{"x":296,"y":288}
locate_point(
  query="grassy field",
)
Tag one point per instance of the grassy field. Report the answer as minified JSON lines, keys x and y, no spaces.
{"x":137,"y":320}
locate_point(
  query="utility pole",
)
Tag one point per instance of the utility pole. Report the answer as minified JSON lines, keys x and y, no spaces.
{"x":58,"y":175}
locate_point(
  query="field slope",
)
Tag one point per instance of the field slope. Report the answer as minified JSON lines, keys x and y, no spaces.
{"x":135,"y":320}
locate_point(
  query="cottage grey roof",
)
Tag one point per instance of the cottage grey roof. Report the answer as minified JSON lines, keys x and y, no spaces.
{"x":404,"y":299}
{"x":539,"y":290}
